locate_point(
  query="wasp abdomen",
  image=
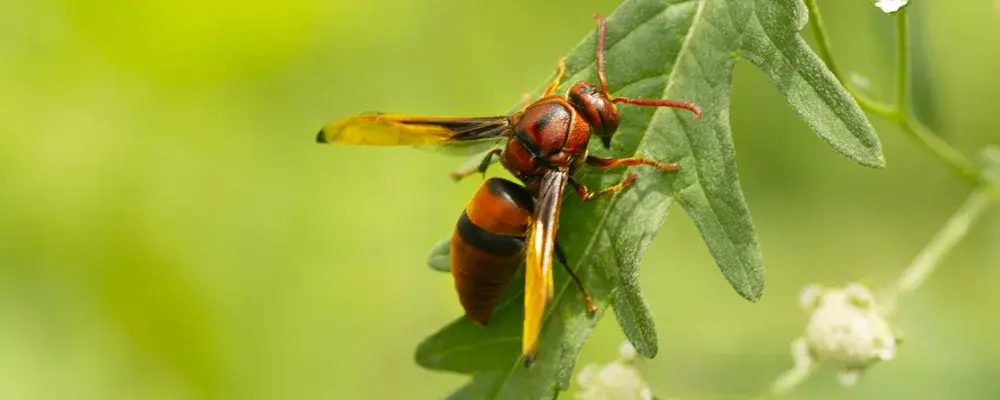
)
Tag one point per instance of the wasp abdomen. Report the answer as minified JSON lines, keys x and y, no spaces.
{"x":488,"y":245}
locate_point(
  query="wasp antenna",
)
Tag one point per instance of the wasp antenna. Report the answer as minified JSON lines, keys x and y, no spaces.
{"x":602,"y":32}
{"x":660,"y":103}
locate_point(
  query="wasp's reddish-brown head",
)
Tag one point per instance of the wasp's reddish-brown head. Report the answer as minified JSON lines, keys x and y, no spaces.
{"x":597,"y":108}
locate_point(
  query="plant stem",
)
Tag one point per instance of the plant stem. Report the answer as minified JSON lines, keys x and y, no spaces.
{"x":944,"y":151}
{"x":825,"y":50}
{"x":790,"y":379}
{"x":895,"y":112}
{"x":871,"y":105}
{"x":945,"y":239}
{"x":902,"y":61}
{"x":826,"y":54}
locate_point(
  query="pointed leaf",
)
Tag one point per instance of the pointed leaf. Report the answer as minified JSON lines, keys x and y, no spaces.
{"x":773,"y":44}
{"x":440,"y":257}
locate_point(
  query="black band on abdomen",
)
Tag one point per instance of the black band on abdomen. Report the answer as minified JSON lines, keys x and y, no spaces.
{"x":511,"y":193}
{"x":489,"y":242}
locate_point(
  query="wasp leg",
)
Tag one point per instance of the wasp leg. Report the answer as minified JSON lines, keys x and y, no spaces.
{"x":463,"y":171}
{"x":585,"y":194}
{"x":605,"y":163}
{"x":555,"y":82}
{"x":561,"y":256}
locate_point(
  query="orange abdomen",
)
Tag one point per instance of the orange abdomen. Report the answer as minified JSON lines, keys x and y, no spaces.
{"x":487,"y":246}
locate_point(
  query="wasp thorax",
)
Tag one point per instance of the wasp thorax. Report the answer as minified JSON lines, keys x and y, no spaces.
{"x":596,"y":108}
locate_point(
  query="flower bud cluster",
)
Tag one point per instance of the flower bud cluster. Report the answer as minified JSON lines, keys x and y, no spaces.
{"x":845,"y":329}
{"x":618,"y":380}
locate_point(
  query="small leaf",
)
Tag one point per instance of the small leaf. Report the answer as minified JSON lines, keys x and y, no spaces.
{"x":773,"y":44}
{"x":440,"y":258}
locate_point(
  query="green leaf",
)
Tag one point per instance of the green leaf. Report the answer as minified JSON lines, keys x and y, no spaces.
{"x":680,"y":50}
{"x":439,"y":258}
{"x":773,"y":44}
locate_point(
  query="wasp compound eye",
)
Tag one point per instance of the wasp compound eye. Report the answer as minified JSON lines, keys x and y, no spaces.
{"x":595,"y":106}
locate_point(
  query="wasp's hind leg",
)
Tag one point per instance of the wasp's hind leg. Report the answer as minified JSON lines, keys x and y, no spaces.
{"x":561,"y":256}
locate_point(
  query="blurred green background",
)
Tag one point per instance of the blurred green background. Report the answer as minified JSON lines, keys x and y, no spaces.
{"x":169,"y":229}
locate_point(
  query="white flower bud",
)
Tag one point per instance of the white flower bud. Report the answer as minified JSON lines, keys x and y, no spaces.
{"x":626,"y":352}
{"x":859,"y":81}
{"x":615,"y":381}
{"x":809,"y":296}
{"x":890,"y":6}
{"x":859,"y":295}
{"x":845,"y":329}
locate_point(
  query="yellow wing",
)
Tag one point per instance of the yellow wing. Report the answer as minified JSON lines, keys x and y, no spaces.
{"x":538,"y":284}
{"x":401,"y":130}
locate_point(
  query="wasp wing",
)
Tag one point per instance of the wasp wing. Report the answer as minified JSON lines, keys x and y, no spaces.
{"x":538,"y":284}
{"x":459,"y":135}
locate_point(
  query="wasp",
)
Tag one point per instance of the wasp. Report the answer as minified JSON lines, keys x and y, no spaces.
{"x":505,"y":224}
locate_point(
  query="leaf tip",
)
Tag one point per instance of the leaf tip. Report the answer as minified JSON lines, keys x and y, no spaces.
{"x":879,"y":162}
{"x":439,"y":258}
{"x":752,"y":290}
{"x":422,"y":355}
{"x":753,"y":297}
{"x":647,"y":349}
{"x":874,"y":160}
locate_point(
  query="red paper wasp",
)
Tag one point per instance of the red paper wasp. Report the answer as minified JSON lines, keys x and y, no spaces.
{"x":505,"y":223}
